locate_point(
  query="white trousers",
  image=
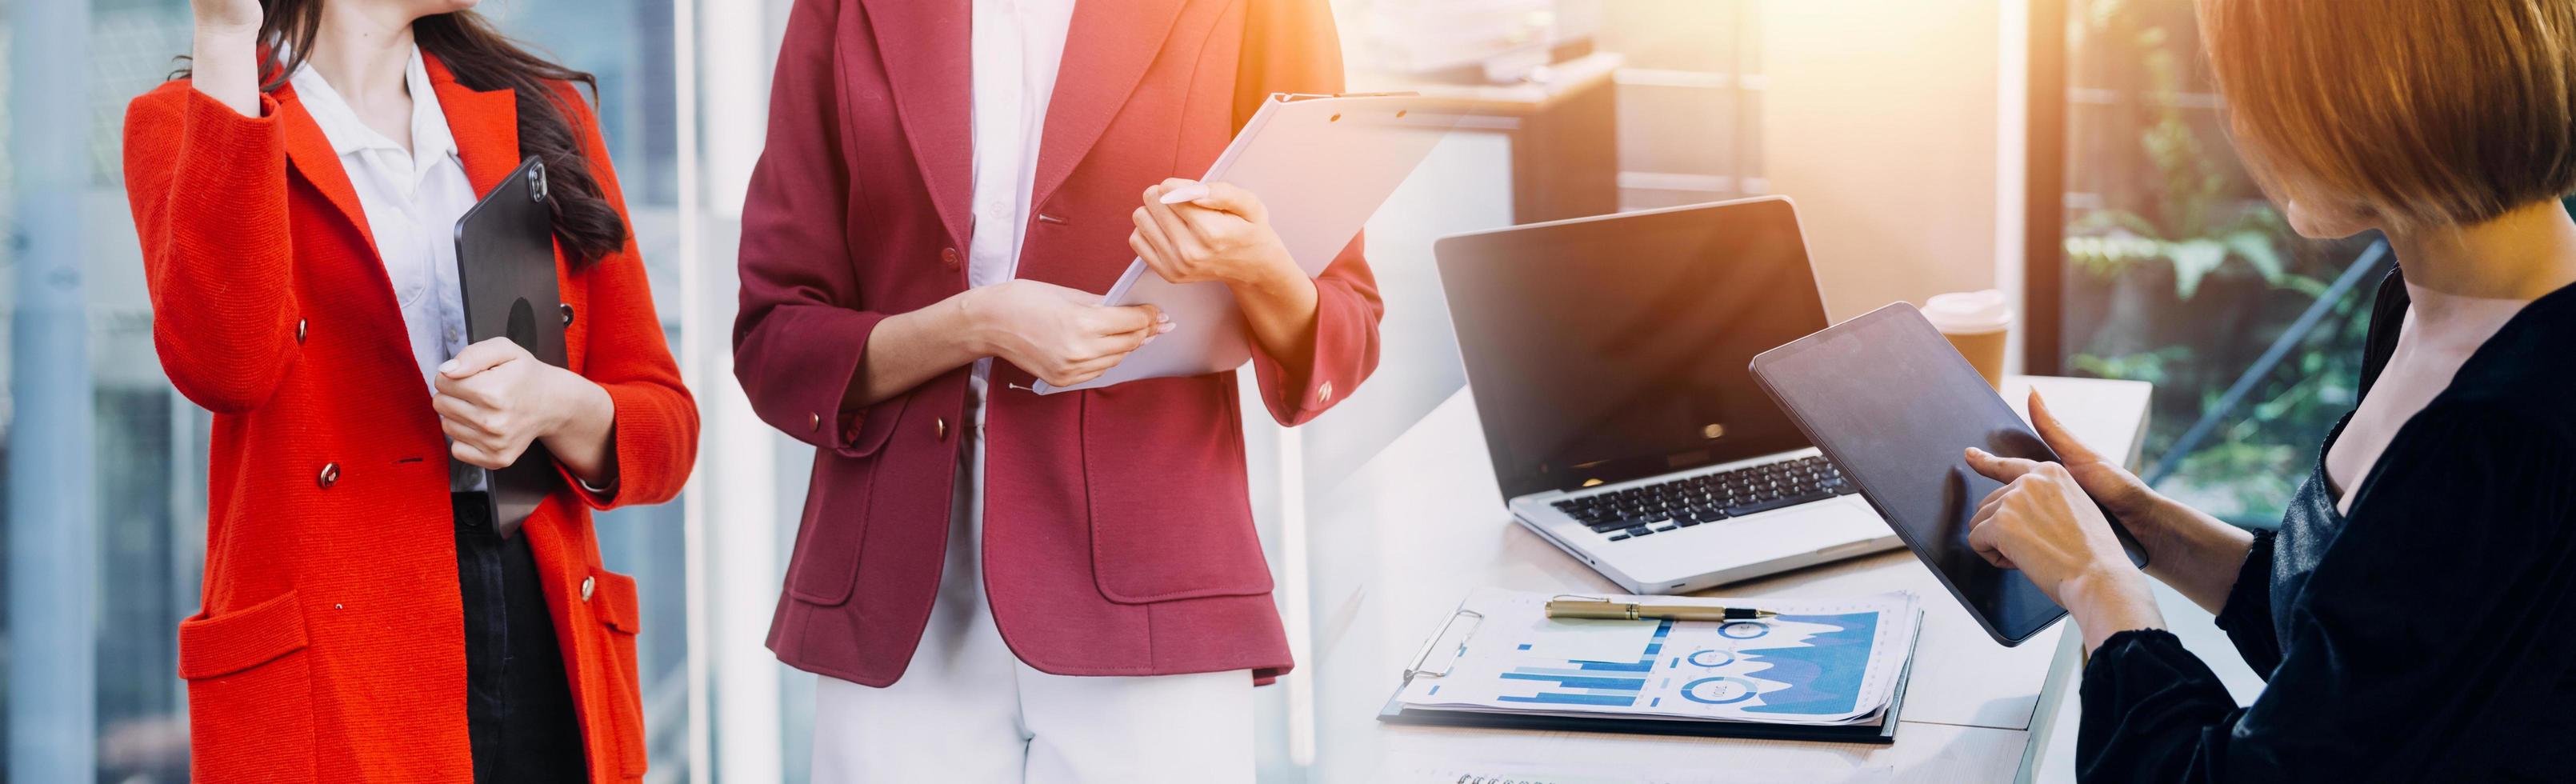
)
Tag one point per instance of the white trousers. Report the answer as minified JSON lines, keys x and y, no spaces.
{"x":967,"y":711}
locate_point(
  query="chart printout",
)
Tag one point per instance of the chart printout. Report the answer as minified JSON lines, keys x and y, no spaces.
{"x":1832,"y":661}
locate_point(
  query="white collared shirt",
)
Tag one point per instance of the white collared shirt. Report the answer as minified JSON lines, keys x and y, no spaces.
{"x":1017,"y":46}
{"x":412,"y":199}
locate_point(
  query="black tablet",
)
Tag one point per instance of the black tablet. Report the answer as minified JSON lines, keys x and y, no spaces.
{"x":505,"y":273}
{"x":1891,"y":403}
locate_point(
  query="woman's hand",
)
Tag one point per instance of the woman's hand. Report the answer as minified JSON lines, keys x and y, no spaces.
{"x":224,"y":63}
{"x":2140,"y":508}
{"x":494,"y":399}
{"x":2191,"y":551}
{"x":2043,"y":523}
{"x":1062,"y":336}
{"x":1223,"y":235}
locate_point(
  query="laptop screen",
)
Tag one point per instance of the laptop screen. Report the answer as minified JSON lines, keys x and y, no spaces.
{"x":1607,"y":349}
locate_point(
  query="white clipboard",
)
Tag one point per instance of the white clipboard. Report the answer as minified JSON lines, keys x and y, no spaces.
{"x":1321,"y":165}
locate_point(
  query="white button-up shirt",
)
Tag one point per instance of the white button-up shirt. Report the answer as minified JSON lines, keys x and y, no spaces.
{"x":1017,"y":47}
{"x":412,"y":199}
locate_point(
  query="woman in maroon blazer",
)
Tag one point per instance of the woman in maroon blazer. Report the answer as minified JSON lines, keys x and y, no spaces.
{"x":947,"y":184}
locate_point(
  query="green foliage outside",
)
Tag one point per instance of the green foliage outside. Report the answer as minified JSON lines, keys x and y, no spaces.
{"x":2181,"y":277}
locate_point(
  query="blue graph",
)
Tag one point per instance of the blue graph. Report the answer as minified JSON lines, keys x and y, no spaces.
{"x":1580,"y":682}
{"x":1823,"y":672}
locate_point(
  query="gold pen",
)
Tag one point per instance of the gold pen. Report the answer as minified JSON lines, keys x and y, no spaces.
{"x":1595,"y":607}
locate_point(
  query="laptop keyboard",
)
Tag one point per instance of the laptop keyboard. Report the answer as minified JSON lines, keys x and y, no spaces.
{"x":1708,"y":498}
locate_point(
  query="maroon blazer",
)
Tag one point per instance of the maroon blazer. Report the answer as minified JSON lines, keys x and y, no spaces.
{"x":1119,"y":536}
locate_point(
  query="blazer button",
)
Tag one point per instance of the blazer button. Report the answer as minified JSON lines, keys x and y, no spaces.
{"x":566,"y":307}
{"x":1324,"y":392}
{"x":299,"y":332}
{"x":586,"y":585}
{"x":939,"y":427}
{"x":949,"y":257}
{"x":813,"y":421}
{"x":330,"y":475}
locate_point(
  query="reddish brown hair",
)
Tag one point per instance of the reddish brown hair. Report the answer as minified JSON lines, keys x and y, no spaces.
{"x":2421,"y":111}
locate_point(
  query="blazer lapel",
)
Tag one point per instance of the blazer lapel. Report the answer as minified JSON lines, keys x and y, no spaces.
{"x":484,"y":122}
{"x":1105,"y":55}
{"x":925,"y":48}
{"x":312,"y":155}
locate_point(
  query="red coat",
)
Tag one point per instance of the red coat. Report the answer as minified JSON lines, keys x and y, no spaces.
{"x":1118,"y":531}
{"x":331,"y":644}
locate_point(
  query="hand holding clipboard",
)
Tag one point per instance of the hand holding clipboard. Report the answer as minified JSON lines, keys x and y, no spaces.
{"x":1318,"y":167}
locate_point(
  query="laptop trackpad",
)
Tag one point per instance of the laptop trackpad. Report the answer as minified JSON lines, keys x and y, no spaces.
{"x":1808,"y":527}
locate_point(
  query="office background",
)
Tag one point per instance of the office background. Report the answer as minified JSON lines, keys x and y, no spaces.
{"x":2068,"y":151}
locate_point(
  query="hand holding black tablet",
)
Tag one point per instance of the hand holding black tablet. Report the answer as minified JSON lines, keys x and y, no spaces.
{"x":505,"y":265}
{"x":1887,"y":399}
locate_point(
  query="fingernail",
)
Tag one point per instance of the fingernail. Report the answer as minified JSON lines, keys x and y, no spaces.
{"x":1149,"y":339}
{"x":447,"y":366}
{"x":1162,"y":317}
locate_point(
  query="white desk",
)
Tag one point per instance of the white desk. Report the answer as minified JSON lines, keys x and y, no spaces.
{"x":1399,"y":543}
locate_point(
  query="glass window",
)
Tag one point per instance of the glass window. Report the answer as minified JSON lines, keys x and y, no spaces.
{"x":2178,"y":272}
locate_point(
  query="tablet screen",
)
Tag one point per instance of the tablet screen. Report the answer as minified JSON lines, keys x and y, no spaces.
{"x":1887,"y":399}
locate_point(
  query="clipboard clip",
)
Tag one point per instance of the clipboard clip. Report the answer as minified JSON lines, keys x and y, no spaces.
{"x":1419,"y":659}
{"x":1295,"y":97}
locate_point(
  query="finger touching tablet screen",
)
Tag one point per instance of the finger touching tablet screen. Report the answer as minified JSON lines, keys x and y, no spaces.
{"x":1893,"y":404}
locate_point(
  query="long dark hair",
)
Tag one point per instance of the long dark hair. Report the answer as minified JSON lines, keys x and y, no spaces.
{"x":480,"y":57}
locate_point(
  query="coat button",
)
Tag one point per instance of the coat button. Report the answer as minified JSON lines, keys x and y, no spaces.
{"x":299,"y":332}
{"x":1324,"y":392}
{"x":566,"y":307}
{"x":813,"y":421}
{"x":587,"y":583}
{"x":939,"y":427}
{"x":948,"y":256}
{"x":330,"y":475}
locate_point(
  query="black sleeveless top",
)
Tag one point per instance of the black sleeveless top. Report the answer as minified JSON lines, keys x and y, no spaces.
{"x":2428,"y":636}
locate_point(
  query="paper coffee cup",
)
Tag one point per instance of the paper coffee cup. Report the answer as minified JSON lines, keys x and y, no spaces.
{"x":1976,"y":322}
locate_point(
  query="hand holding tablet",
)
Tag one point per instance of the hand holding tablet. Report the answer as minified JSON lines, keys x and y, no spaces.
{"x":1891,"y":402}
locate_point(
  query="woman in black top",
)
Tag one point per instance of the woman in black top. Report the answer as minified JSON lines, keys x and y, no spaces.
{"x":2415,"y":616}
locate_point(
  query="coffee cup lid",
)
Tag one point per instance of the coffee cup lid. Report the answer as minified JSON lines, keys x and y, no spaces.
{"x":1969,"y":311}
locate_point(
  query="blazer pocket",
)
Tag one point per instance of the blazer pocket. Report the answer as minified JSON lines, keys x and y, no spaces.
{"x":824,"y":567}
{"x":1170,"y":516}
{"x":614,"y":603}
{"x":250,"y":693}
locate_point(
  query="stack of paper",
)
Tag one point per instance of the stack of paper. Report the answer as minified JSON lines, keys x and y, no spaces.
{"x":1819,"y":662}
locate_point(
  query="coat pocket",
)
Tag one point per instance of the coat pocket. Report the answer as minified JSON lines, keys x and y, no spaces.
{"x":824,"y":567}
{"x":1170,"y":515}
{"x":617,"y":608}
{"x":250,"y":693}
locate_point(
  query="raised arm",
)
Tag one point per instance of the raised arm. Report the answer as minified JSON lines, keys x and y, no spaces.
{"x":205,"y":170}
{"x":1290,"y":46}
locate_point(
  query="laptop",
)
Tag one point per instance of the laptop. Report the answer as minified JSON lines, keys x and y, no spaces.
{"x":1607,"y":358}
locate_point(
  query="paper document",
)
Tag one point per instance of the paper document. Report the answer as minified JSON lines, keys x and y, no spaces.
{"x":1820,"y":661}
{"x":1620,"y":773}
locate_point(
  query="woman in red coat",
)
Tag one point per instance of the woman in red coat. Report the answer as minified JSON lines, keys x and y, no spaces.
{"x":365,"y":618}
{"x":1000,"y":586}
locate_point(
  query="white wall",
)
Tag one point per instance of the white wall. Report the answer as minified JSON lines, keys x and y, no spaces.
{"x":1880,"y":121}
